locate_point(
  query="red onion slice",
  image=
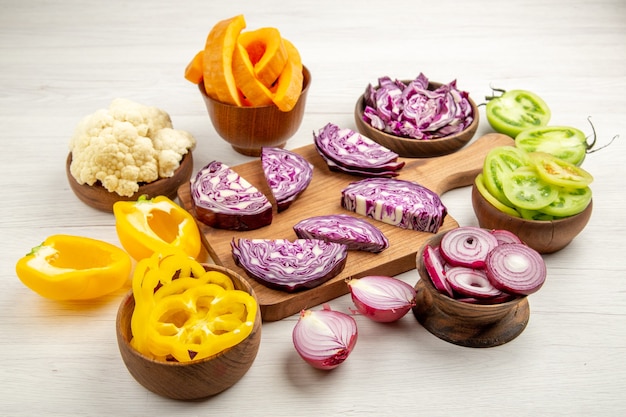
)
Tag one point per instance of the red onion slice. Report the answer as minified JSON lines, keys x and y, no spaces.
{"x":224,"y":200}
{"x":381,"y":298}
{"x":436,"y":268}
{"x":287,"y":174}
{"x":355,"y":233}
{"x":469,"y":282}
{"x":289,"y":266}
{"x":401,"y":203}
{"x":324,"y":338}
{"x":467,"y":246}
{"x":505,"y":236}
{"x":516,"y":268}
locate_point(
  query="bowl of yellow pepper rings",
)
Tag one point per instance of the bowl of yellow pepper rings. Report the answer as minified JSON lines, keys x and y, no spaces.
{"x":253,"y":84}
{"x":187,"y":330}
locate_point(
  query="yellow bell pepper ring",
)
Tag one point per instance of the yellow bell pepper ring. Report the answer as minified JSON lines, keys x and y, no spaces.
{"x":68,"y":267}
{"x":153,"y":225}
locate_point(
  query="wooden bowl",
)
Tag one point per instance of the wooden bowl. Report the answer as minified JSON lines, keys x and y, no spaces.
{"x":415,"y":148}
{"x":100,"y":198}
{"x":542,"y":235}
{"x":196,"y":379}
{"x":248,"y":129}
{"x":462,"y":323}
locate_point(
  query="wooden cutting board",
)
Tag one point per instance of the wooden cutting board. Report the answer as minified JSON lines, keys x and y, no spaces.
{"x":323,"y":196}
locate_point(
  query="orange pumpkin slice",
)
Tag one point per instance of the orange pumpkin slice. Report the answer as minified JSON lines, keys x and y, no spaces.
{"x":195,"y":68}
{"x":288,"y":87}
{"x":267,"y":53}
{"x":219,"y":81}
{"x":253,"y":89}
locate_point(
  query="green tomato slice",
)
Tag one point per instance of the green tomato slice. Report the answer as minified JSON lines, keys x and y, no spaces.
{"x":499,"y":163}
{"x":570,"y":201}
{"x":480,"y":186}
{"x":515,"y":111}
{"x":564,"y":142}
{"x":535,"y":215}
{"x":526,"y":189}
{"x":559,"y":172}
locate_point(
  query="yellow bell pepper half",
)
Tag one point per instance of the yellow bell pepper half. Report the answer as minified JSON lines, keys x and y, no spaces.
{"x":68,"y":267}
{"x":183,"y":312}
{"x":153,"y":225}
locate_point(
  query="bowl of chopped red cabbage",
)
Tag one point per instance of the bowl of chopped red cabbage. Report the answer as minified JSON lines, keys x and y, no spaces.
{"x":417,"y":118}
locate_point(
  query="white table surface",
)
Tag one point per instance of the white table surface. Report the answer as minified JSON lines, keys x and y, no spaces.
{"x":63,"y":59}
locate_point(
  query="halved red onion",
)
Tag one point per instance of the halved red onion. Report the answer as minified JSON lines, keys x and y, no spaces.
{"x":381,"y":298}
{"x":516,"y":268}
{"x":355,"y":233}
{"x":350,"y":150}
{"x":467,"y":246}
{"x":289,"y":265}
{"x":324,"y":338}
{"x":505,"y":236}
{"x":401,"y":203}
{"x":436,"y":268}
{"x":287,"y":174}
{"x":224,"y":200}
{"x":470,"y":282}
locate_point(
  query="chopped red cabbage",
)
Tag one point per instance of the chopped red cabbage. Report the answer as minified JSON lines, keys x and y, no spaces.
{"x":401,"y":203}
{"x":413,"y":111}
{"x":290,"y":265}
{"x":287,"y":173}
{"x":224,"y":200}
{"x":355,"y":233}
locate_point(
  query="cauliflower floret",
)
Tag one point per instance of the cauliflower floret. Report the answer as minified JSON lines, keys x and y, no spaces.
{"x":169,"y":145}
{"x":125,"y":145}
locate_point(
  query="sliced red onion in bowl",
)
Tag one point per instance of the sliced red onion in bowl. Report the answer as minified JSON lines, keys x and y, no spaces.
{"x":289,"y":265}
{"x":435,"y":266}
{"x":381,"y":298}
{"x":505,"y":236}
{"x":355,"y":233}
{"x":287,"y":174}
{"x":401,"y":203}
{"x":516,"y":268}
{"x":224,"y":200}
{"x":467,"y":246}
{"x":470,"y":282}
{"x":324,"y":338}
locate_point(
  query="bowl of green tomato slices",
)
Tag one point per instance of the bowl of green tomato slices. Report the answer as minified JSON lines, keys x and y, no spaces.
{"x":543,"y":199}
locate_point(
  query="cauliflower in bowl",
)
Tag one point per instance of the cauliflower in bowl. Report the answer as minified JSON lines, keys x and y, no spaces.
{"x":125,"y":145}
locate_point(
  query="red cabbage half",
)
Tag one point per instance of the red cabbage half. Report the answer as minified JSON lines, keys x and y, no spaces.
{"x":413,"y":111}
{"x":349,"y":151}
{"x":224,"y":200}
{"x":401,"y":203}
{"x":287,"y":173}
{"x":355,"y":233}
{"x":289,"y":265}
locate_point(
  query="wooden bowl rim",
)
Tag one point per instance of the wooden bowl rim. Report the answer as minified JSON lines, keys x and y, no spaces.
{"x":360,"y":109}
{"x":98,"y":197}
{"x":306,"y":82}
{"x":175,"y":364}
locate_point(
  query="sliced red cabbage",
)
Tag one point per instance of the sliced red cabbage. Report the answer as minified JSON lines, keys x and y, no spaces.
{"x":290,"y":265}
{"x":349,"y":149}
{"x":287,"y":173}
{"x":333,"y":166}
{"x":401,"y":203}
{"x":355,"y":233}
{"x":224,"y":200}
{"x":413,"y":111}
